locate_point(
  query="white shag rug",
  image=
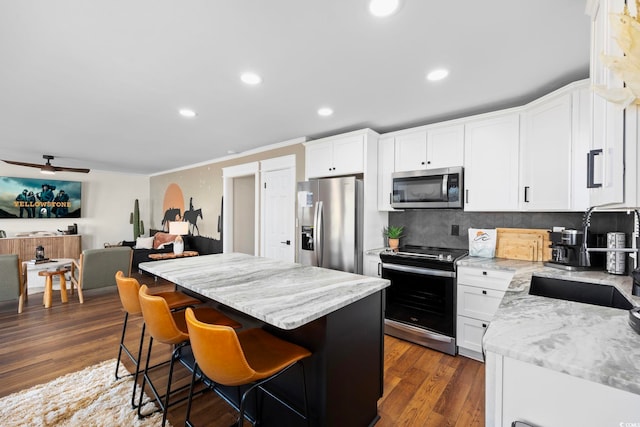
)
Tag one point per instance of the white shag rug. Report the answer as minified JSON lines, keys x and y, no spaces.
{"x":90,"y":397}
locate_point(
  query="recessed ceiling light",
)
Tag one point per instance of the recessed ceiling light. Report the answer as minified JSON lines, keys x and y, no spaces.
{"x":382,"y":8}
{"x":438,"y":74}
{"x":251,"y":78}
{"x":325,"y":111}
{"x":185,"y":112}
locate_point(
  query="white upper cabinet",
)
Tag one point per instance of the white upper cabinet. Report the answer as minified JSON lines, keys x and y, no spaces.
{"x":545,"y":157}
{"x":386,"y":150}
{"x":430,"y":148}
{"x":340,"y":156}
{"x":605,"y":174}
{"x":491,"y":163}
{"x":445,"y":146}
{"x":411,"y":151}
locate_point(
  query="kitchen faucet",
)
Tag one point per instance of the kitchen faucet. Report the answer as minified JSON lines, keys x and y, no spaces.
{"x":583,"y":257}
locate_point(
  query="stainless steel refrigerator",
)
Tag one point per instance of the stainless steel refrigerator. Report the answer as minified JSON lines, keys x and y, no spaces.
{"x":329,"y":223}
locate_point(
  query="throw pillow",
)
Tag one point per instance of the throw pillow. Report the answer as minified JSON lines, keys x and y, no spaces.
{"x":160,"y":239}
{"x":144,"y":243}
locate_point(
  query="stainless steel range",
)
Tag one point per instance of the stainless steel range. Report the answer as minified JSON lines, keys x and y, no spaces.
{"x":421,"y":301}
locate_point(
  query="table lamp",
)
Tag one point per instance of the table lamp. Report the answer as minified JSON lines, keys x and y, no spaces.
{"x":179,"y":228}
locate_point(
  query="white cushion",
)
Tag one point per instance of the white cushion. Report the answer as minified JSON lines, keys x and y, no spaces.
{"x":144,"y":243}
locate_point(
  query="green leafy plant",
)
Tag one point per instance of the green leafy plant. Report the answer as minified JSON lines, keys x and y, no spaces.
{"x":393,"y":231}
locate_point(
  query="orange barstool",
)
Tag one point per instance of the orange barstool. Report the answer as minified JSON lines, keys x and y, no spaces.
{"x":250,"y":357}
{"x":128,"y":288}
{"x":170,"y":328}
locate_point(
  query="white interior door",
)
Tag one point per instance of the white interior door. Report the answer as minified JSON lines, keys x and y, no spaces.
{"x":278,"y":212}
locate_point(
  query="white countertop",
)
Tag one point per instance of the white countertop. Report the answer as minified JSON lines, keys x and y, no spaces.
{"x":583,"y":340}
{"x":283,"y":294}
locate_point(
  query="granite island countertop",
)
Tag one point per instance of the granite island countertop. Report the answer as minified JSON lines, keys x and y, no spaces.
{"x":586,"y":341}
{"x":283,"y":294}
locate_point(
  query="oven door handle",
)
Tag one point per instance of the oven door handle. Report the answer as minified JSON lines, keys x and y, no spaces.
{"x":423,"y":333}
{"x":418,"y":270}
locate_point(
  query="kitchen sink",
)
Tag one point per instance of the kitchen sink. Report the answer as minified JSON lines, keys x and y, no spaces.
{"x":589,"y":293}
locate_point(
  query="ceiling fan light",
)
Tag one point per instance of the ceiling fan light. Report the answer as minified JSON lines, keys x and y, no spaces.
{"x":48,"y":170}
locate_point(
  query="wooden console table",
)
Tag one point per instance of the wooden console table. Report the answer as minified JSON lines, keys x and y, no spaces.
{"x":63,"y":246}
{"x":171,"y":255}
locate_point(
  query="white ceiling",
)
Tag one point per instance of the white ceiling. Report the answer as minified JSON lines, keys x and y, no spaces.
{"x":98,"y":83}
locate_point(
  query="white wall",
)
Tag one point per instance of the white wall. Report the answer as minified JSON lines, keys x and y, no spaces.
{"x":107,"y":200}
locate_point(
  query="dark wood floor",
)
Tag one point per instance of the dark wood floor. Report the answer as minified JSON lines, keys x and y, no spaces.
{"x":422,"y":387}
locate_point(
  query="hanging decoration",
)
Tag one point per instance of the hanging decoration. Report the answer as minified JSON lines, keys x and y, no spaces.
{"x":627,"y":35}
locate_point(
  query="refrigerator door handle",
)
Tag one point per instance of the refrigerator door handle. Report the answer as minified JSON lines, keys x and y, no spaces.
{"x":319,"y":233}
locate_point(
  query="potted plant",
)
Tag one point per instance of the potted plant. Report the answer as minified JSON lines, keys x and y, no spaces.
{"x":393,"y":234}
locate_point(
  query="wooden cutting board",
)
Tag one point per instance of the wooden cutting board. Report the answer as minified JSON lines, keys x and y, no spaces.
{"x":529,"y":244}
{"x":523,"y":249}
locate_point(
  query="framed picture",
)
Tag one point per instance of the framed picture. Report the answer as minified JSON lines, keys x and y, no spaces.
{"x":33,"y":198}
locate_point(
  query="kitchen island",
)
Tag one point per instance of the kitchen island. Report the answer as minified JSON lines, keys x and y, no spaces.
{"x":555,"y":362}
{"x":338,"y":316}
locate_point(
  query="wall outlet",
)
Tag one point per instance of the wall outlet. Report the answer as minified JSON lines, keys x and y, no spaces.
{"x":455,"y":230}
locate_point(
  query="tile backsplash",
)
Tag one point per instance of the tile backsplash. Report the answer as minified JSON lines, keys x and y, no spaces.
{"x":432,"y":227}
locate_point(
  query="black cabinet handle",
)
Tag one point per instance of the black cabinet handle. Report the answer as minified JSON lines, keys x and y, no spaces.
{"x":484,"y":273}
{"x":526,"y":194}
{"x":484,"y":325}
{"x":484,"y":292}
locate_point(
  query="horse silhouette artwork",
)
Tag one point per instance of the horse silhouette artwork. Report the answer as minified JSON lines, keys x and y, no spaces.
{"x":171,"y":214}
{"x":191,"y":216}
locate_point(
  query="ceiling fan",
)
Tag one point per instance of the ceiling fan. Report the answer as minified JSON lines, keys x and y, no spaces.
{"x":48,"y":167}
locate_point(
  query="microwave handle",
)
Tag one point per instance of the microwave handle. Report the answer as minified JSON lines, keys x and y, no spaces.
{"x":445,"y":186}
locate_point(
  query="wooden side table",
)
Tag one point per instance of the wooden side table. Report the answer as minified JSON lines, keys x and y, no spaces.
{"x":48,"y":286}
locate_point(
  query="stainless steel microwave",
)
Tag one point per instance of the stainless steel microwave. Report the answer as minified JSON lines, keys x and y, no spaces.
{"x":429,"y":188}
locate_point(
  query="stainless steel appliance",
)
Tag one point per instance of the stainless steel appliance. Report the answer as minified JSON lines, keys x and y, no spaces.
{"x":329,"y":223}
{"x":429,"y":188}
{"x":421,"y":300}
{"x":566,"y":246}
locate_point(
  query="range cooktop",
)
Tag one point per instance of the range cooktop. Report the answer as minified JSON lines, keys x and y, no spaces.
{"x":427,"y":256}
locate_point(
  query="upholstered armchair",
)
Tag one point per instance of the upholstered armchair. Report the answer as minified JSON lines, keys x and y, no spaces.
{"x":11,"y":280}
{"x":97,"y":268}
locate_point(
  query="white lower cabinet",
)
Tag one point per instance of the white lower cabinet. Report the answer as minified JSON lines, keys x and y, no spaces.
{"x":372,"y":265}
{"x":479,"y":293}
{"x":520,"y":391}
{"x":469,"y":336}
